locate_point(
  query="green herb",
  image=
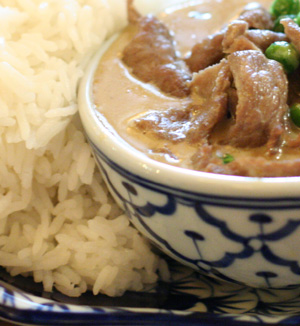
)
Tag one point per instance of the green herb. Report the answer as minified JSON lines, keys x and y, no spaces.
{"x":227,"y":158}
{"x":285,"y":53}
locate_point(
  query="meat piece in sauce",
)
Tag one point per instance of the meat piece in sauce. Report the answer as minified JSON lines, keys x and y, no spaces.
{"x":209,"y":88}
{"x":264,"y":38}
{"x":195,"y":121}
{"x":238,"y":37}
{"x":171,"y":124}
{"x":262,"y":90}
{"x":209,"y":51}
{"x":292,"y":30}
{"x":172,"y":79}
{"x":206,"y":159}
{"x":256,"y":167}
{"x":152,"y":57}
{"x":206,"y":53}
{"x":257,"y":17}
{"x":235,"y":38}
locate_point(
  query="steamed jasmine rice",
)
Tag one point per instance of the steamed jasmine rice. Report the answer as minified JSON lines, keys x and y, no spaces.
{"x":57,"y":220}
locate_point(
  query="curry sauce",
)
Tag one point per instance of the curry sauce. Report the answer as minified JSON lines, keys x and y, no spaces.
{"x":123,"y":99}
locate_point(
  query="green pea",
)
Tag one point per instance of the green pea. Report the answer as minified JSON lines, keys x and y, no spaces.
{"x":285,"y":53}
{"x":297,"y":19}
{"x":279,"y":27}
{"x":284,"y":7}
{"x":295,"y":114}
{"x":227,"y":158}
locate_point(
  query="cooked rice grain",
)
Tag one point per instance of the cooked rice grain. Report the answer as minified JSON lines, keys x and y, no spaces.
{"x":57,"y":221}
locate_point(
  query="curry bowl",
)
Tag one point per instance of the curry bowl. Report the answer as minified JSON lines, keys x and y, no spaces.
{"x":239,"y":229}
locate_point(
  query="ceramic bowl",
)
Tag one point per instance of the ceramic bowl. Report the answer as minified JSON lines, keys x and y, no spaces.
{"x":235,"y":228}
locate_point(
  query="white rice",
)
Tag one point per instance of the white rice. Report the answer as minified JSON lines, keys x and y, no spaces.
{"x":57,"y":220}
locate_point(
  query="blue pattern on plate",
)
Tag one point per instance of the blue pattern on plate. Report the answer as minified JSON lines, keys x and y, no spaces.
{"x":189,"y":298}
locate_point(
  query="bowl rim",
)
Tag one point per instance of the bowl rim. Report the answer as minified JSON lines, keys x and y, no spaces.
{"x":114,"y":147}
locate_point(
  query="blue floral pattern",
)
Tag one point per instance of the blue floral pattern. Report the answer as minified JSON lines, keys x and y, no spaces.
{"x":169,"y":217}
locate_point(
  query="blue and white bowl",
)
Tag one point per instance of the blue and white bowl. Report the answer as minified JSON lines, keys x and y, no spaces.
{"x":235,"y":228}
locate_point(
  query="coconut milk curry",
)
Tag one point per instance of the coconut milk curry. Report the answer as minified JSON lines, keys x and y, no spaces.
{"x":195,"y":88}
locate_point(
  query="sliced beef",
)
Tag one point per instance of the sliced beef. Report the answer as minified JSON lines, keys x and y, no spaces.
{"x":142,"y":53}
{"x":172,"y":79}
{"x":292,"y":31}
{"x":238,"y":37}
{"x":209,"y":88}
{"x":264,"y":38}
{"x":235,"y":38}
{"x":171,"y":124}
{"x":152,"y":57}
{"x":262,"y":96}
{"x":257,"y":17}
{"x":206,"y":53}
